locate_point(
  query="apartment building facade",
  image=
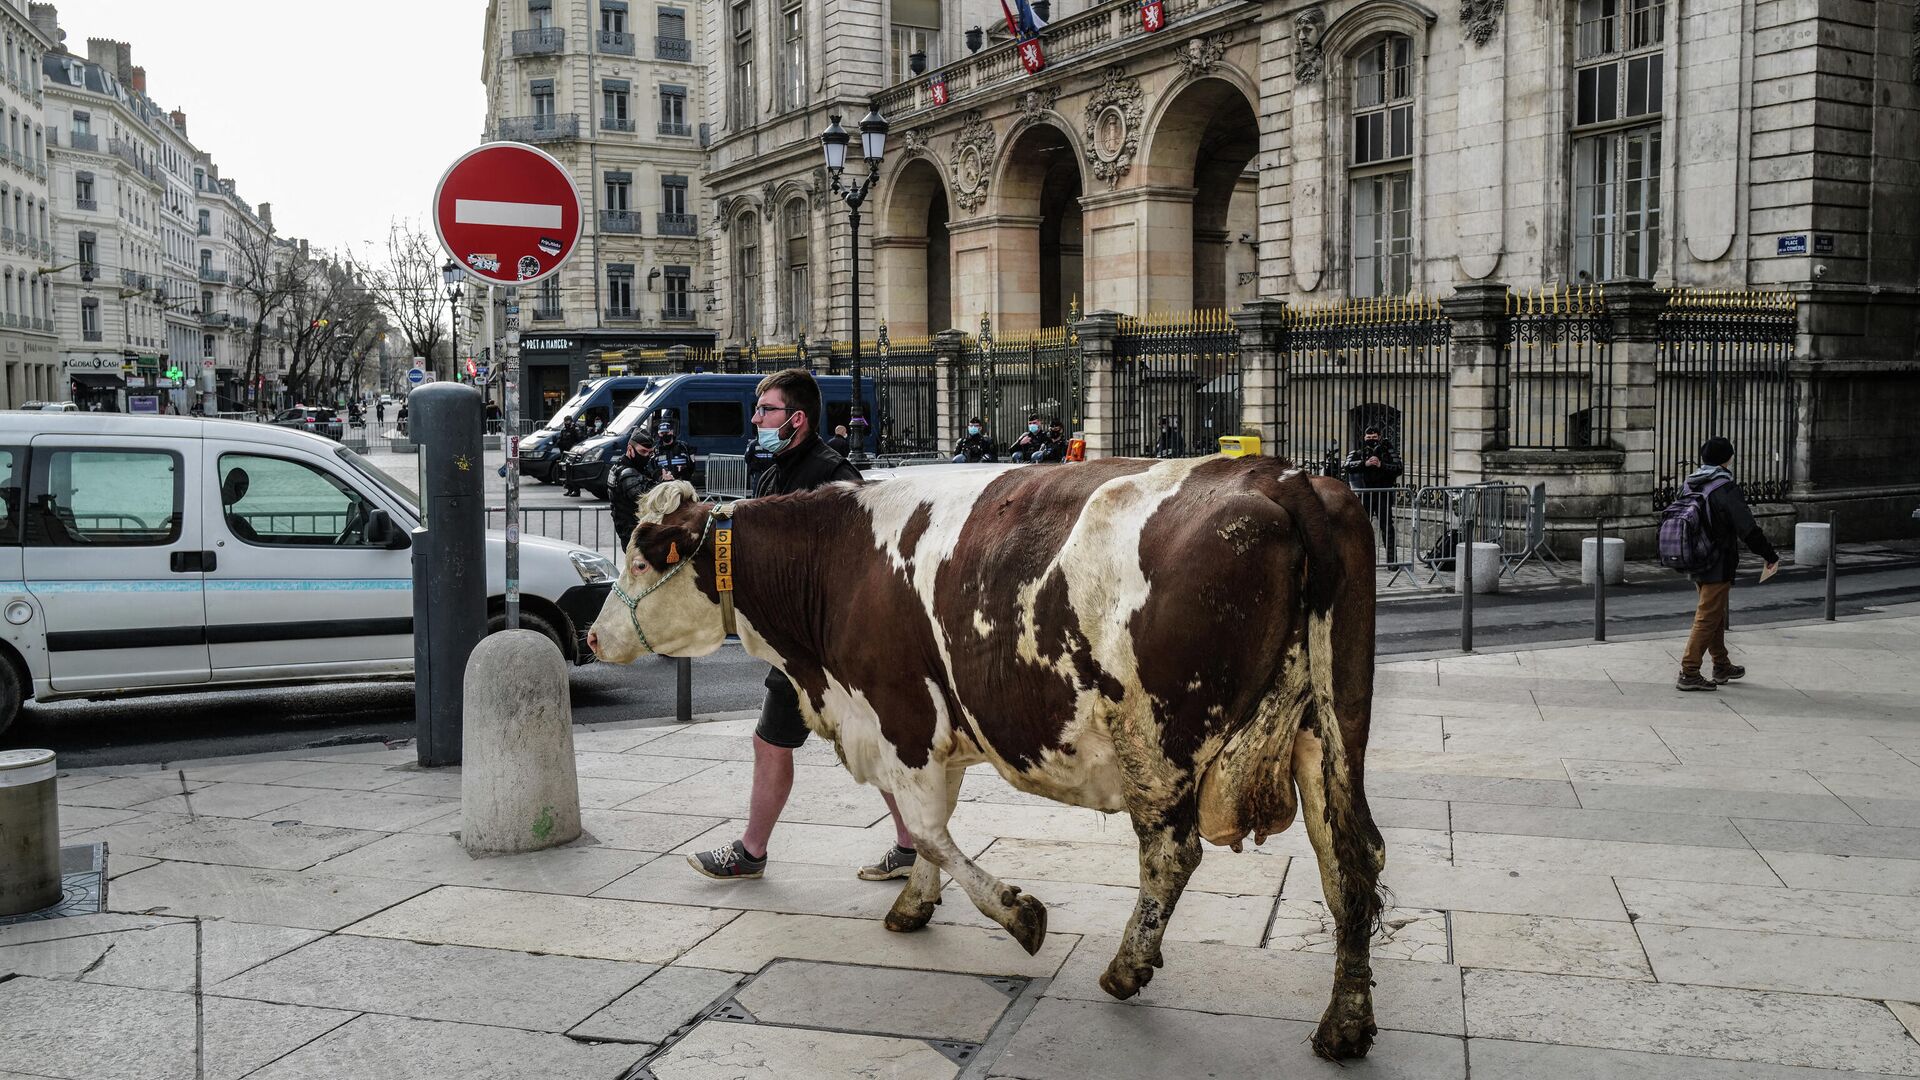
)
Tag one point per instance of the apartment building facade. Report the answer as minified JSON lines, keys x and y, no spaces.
{"x":613,"y":90}
{"x":30,"y":367}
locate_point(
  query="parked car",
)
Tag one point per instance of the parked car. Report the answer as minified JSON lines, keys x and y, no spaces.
{"x":312,"y":419}
{"x":713,"y":414}
{"x":48,"y":406}
{"x":144,"y":555}
{"x":598,"y":400}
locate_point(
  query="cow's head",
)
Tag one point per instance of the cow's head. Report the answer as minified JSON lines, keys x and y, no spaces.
{"x":658,"y":604}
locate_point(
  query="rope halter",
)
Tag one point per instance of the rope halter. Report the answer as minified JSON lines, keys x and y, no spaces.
{"x":723,"y":569}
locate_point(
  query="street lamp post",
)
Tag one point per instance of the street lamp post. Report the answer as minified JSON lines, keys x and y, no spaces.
{"x":873,"y":146}
{"x":452,"y":275}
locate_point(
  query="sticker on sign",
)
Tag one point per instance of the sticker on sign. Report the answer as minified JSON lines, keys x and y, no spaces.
{"x":507,"y":212}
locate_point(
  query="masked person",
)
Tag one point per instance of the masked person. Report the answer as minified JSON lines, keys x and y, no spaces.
{"x":975,"y":445}
{"x":1056,"y":448}
{"x":1031,"y":443}
{"x":628,"y":481}
{"x":1172,"y":444}
{"x":783,"y":417}
{"x":1373,"y":469}
{"x":674,"y":456}
{"x":569,"y":436}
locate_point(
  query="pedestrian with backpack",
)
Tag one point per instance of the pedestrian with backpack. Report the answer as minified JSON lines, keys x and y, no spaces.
{"x":1700,"y":535}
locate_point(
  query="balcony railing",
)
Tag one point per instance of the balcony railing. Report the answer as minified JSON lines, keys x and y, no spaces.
{"x":46,"y":249}
{"x":549,"y":127}
{"x":6,"y":237}
{"x":539,"y":42}
{"x":616,"y":123}
{"x":130,"y":279}
{"x":89,"y":271}
{"x":209,"y":274}
{"x":619,"y":221}
{"x":617,"y":42}
{"x":621,"y":313}
{"x":541,"y":314}
{"x":205,"y":229}
{"x":670,"y":315}
{"x":86,"y":204}
{"x":673,"y":48}
{"x":127,"y":152}
{"x":84,"y":140}
{"x":89,"y":335}
{"x":215,"y":318}
{"x":668,"y":127}
{"x":677,"y":224}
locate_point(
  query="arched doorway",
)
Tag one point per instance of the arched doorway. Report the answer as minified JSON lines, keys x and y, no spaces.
{"x":1042,"y":272}
{"x":913,"y":254}
{"x":1212,"y":160}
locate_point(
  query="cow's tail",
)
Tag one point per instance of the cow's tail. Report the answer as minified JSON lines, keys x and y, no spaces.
{"x":1338,"y":596}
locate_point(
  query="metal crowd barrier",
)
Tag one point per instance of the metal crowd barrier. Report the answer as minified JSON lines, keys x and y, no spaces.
{"x":1510,"y":516}
{"x":727,"y":475}
{"x":590,"y":527}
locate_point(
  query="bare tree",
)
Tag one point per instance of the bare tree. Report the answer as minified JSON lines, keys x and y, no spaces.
{"x":407,"y":287}
{"x":268,"y":271}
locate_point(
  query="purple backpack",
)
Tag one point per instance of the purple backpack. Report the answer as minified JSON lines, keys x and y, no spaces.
{"x":1687,"y":542}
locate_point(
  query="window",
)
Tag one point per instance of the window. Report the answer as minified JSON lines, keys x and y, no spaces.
{"x":746,"y":276}
{"x":548,"y":304}
{"x":11,"y":499}
{"x":671,"y":23}
{"x":740,"y":87}
{"x":613,"y":17}
{"x":274,"y":501}
{"x":88,"y":250}
{"x":542,"y":90}
{"x":82,"y":123}
{"x":83,"y":191}
{"x":673,"y":195}
{"x":1380,"y":168}
{"x":673,"y":111}
{"x":916,"y":28}
{"x":676,"y":301}
{"x":90,"y":319}
{"x":793,"y":58}
{"x":795,"y":297}
{"x":1618,"y":100}
{"x":670,"y":35}
{"x":619,"y":189}
{"x":619,"y":290}
{"x":715,"y":420}
{"x":206,"y":301}
{"x":119,"y":498}
{"x":540,"y":14}
{"x":614,"y":114}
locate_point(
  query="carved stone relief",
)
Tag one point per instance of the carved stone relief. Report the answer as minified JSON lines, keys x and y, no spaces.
{"x":1481,"y":18}
{"x":1114,"y":117}
{"x":1036,"y":104}
{"x":914,"y":142}
{"x":1199,"y":57}
{"x":723,"y":211}
{"x":972,"y":161}
{"x":1308,"y":26}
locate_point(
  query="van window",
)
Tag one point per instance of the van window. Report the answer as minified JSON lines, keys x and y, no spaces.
{"x":107,"y":498}
{"x":715,"y":420}
{"x":269,"y":500}
{"x":10,"y":494}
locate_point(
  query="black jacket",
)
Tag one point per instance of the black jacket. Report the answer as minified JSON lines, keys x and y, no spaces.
{"x":975,"y":448}
{"x":1171,"y":444}
{"x":628,"y":481}
{"x":803,"y":468}
{"x":675,"y":460}
{"x":1732,"y":524}
{"x":1030,"y":443}
{"x":838,"y":444}
{"x":1362,"y":475}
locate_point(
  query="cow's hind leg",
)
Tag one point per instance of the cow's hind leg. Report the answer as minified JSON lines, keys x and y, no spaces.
{"x":1169,"y":853}
{"x":914,"y":906}
{"x":925,"y":804}
{"x":1349,"y":876}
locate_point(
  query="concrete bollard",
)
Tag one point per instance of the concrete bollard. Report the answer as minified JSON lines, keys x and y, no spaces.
{"x":518,"y":787}
{"x":1486,"y":567}
{"x":1811,"y":542}
{"x":1614,"y":561}
{"x":29,"y":832}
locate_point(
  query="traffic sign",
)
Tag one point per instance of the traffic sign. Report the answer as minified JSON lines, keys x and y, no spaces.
{"x":206,"y":362}
{"x":416,"y":376}
{"x":508,"y":213}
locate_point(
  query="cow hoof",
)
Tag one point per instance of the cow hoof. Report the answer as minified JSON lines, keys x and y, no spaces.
{"x":1125,"y":980}
{"x":907,"y":921}
{"x":1028,"y":923}
{"x":1341,"y":1037}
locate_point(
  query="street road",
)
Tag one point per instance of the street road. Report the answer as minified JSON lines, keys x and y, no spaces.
{"x":206,"y":725}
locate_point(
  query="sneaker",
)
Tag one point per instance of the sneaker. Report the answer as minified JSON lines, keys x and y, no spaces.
{"x":896,"y":863}
{"x":728,"y":862}
{"x":1729,"y":673}
{"x":1693,"y":680}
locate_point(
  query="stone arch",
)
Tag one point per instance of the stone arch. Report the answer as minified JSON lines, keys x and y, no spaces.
{"x":1037,"y":228}
{"x":1195,"y":249}
{"x":913,"y":251}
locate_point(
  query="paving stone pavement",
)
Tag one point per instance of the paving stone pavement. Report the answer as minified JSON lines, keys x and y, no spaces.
{"x":1593,"y":877}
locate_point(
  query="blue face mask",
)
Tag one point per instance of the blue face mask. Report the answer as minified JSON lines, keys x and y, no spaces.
{"x":973,"y":429}
{"x":1033,"y":429}
{"x":770,"y":440}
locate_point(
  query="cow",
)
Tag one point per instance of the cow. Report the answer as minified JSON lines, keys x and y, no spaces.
{"x":1187,"y":640}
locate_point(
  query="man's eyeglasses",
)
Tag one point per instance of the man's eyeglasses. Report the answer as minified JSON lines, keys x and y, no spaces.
{"x":762,"y":410}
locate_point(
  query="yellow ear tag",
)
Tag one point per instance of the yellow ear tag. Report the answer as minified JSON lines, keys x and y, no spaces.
{"x":673,"y":553}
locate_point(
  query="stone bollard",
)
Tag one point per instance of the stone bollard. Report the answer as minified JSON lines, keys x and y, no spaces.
{"x":1486,"y":567}
{"x":29,"y":832}
{"x":518,"y":787}
{"x":1614,"y":561}
{"x":1811,"y":542}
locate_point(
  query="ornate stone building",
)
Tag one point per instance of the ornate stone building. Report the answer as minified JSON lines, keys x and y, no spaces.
{"x":30,"y":366}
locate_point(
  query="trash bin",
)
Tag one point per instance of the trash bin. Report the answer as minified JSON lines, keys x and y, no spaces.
{"x":29,"y":832}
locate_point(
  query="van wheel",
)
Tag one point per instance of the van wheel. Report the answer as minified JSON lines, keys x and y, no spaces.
{"x":10,"y":695}
{"x":528,"y":621}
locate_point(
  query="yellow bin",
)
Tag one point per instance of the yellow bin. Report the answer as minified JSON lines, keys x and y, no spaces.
{"x":1239,"y":446}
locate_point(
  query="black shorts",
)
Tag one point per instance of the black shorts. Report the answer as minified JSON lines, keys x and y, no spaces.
{"x":780,"y":721}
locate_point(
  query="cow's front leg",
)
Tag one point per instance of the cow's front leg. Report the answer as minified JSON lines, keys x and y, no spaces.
{"x":1169,"y":853}
{"x":1349,"y":876}
{"x":914,"y":906}
{"x":925,"y":805}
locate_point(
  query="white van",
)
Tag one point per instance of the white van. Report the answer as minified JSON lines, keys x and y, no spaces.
{"x":153,"y":554}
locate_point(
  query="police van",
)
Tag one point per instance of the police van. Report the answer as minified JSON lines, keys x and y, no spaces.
{"x":151,"y":554}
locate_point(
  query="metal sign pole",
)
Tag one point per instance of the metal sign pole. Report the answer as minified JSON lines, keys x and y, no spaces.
{"x":510,"y":420}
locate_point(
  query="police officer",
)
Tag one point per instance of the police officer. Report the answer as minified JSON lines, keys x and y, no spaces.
{"x":975,"y":445}
{"x":674,"y":456}
{"x":629,"y":480}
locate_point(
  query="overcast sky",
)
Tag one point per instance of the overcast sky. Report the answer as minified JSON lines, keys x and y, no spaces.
{"x":341,"y":114}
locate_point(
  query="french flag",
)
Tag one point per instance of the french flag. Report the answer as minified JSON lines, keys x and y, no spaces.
{"x":1022,"y":21}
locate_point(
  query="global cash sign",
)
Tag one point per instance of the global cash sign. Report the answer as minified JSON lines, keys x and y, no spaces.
{"x":508,"y":213}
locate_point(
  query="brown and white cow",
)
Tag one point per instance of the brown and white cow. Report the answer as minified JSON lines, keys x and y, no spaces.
{"x":1189,"y":641}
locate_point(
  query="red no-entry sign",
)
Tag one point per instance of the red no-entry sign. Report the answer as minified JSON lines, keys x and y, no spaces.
{"x":508,"y":213}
